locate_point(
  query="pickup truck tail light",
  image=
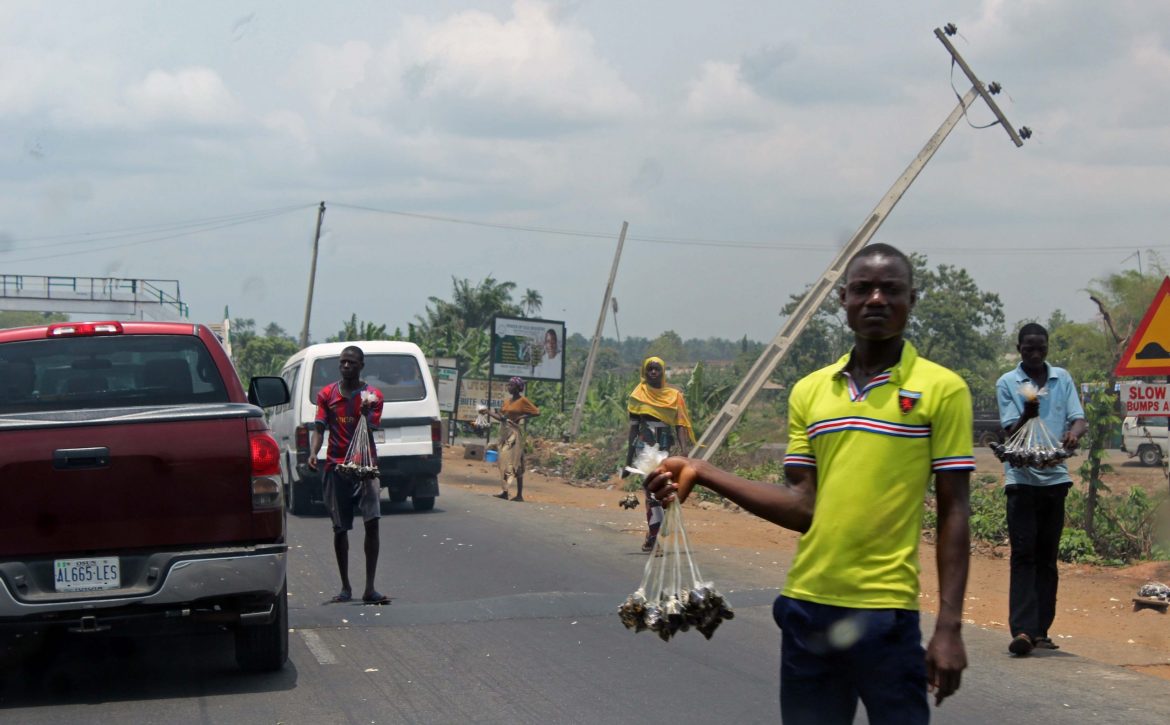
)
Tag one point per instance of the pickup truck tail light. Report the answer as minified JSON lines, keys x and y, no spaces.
{"x":266,"y":486}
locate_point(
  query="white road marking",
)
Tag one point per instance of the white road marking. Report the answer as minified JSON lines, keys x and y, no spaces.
{"x":317,"y":647}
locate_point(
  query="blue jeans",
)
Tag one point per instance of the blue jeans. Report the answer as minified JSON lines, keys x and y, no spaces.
{"x":832,"y":656}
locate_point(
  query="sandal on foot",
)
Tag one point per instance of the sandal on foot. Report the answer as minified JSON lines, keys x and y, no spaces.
{"x":341,"y":597}
{"x":648,"y":544}
{"x":501,"y":494}
{"x":375,"y":598}
{"x":1021,"y":645}
{"x":1045,"y":643}
{"x":519,"y":498}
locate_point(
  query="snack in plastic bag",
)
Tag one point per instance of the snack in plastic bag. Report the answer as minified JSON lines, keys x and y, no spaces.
{"x":359,"y":460}
{"x":647,"y":460}
{"x":482,"y":419}
{"x":1033,"y":445}
{"x":670,"y":600}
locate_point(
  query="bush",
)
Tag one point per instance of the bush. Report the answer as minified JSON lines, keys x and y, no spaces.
{"x":593,"y":466}
{"x":1077,"y":548}
{"x":988,"y":511}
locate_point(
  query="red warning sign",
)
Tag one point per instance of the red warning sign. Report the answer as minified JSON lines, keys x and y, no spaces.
{"x":1148,"y":352}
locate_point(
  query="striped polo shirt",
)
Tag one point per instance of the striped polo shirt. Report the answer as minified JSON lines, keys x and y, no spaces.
{"x":874,"y":449}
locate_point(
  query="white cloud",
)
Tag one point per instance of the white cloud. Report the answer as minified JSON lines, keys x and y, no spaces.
{"x":473,"y":74}
{"x":720,"y":95}
{"x":195,"y":96}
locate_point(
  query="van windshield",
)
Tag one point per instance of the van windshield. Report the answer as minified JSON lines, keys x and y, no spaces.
{"x":398,"y":376}
{"x":107,"y":372}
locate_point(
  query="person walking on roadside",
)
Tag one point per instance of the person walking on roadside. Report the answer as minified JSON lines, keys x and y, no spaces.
{"x":865,"y":434}
{"x":658,"y":417}
{"x":340,"y":406}
{"x":512,"y":415}
{"x":1035,"y":496}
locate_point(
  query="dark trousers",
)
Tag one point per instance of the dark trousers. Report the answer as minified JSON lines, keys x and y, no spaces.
{"x":830,"y":657}
{"x":1035,"y":517}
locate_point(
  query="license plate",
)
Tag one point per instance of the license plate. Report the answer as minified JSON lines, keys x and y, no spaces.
{"x":379,"y":436}
{"x":87,"y":575}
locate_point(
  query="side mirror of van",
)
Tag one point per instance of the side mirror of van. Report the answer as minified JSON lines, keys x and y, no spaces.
{"x":267,"y":391}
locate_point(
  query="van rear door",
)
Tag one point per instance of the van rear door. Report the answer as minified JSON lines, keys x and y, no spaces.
{"x":410,"y":405}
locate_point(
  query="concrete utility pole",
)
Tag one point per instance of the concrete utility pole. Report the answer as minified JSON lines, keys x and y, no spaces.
{"x":579,"y":408}
{"x":312,"y":276}
{"x":717,"y":432}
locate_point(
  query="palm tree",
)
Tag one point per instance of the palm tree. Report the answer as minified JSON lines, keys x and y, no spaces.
{"x":531,"y":303}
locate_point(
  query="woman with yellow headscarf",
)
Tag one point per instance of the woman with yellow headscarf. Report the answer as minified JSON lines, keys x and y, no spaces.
{"x":658,"y":416}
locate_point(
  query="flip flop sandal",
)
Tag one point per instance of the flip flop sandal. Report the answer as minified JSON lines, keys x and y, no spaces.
{"x":340,"y":598}
{"x":376,"y":598}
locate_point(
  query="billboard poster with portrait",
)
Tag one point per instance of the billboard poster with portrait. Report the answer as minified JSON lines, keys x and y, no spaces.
{"x":532,"y":349}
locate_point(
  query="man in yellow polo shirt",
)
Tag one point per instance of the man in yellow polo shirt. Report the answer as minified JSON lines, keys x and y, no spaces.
{"x":865,"y":435}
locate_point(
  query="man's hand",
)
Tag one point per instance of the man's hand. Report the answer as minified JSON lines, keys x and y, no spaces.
{"x":312,"y":463}
{"x":1031,"y":409}
{"x":674,"y":478}
{"x":946,"y":658}
{"x":1071,"y":440}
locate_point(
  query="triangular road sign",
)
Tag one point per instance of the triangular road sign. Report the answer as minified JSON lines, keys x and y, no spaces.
{"x":1148,"y":352}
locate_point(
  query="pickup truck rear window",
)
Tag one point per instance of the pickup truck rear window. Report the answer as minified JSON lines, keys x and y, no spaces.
{"x":115,"y":371}
{"x":397,"y":376}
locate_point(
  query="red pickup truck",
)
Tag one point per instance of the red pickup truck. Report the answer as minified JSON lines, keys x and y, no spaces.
{"x":140,"y":485}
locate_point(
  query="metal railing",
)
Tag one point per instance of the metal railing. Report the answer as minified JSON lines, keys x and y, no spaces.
{"x":162,"y":292}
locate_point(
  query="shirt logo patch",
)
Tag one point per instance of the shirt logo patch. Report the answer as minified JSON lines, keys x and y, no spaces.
{"x":907,"y":399}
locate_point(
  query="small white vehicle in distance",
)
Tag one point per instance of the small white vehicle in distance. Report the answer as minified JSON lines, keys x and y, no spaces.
{"x":1145,"y":437}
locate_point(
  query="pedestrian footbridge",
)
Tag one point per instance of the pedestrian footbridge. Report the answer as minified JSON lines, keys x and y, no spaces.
{"x":94,"y":297}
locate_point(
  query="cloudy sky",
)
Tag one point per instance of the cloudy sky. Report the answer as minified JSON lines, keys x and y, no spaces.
{"x":744,"y":142}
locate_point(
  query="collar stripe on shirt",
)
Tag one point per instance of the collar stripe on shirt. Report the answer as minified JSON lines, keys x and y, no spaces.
{"x":855,"y":395}
{"x":870,"y":425}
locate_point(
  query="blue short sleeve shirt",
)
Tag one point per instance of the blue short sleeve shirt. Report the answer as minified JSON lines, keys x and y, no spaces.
{"x":1060,"y":406}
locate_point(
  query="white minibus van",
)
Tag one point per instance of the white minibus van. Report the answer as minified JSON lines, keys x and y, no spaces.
{"x":409,"y":440}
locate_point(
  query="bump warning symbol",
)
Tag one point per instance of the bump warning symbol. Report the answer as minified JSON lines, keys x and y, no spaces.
{"x":1148,"y":352}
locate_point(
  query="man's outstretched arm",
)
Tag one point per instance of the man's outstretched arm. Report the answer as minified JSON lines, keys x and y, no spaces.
{"x":789,"y":504}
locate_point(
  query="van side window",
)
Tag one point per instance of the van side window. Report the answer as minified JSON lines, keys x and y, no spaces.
{"x":290,"y":378}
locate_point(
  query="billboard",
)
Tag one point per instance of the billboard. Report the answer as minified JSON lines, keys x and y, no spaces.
{"x":474,"y":393}
{"x":532,"y":349}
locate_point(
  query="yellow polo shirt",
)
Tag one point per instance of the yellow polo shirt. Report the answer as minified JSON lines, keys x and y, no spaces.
{"x":874,"y":450}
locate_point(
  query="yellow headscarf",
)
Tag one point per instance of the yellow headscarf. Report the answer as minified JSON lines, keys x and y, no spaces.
{"x":666,"y":404}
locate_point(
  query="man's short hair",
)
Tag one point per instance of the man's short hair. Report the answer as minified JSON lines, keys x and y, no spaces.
{"x":355,"y":349}
{"x":881,"y":248}
{"x":1032,"y":328}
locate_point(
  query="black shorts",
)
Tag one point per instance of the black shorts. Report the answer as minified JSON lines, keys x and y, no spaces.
{"x":344,"y":495}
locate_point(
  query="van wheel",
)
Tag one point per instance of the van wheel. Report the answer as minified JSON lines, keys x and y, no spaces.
{"x":1150,"y":455}
{"x":423,"y":504}
{"x":264,"y":647}
{"x":298,"y":498}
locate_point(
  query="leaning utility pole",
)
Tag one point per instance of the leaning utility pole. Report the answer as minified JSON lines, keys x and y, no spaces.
{"x":776,"y":350}
{"x":312,"y":276}
{"x":579,"y":408}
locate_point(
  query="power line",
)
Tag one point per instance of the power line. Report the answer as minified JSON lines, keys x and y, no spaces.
{"x":729,"y":243}
{"x":166,"y":237}
{"x":134,"y":231}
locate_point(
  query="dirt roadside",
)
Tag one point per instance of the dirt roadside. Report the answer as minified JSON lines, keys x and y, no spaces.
{"x":1095,"y":616}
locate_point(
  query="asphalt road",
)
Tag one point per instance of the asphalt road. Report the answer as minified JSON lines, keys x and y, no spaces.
{"x":506,"y":613}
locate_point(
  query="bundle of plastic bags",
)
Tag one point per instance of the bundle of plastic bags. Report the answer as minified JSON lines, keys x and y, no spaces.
{"x":1033,"y":445}
{"x":481,"y":419}
{"x":360,"y":461}
{"x":673,"y":597}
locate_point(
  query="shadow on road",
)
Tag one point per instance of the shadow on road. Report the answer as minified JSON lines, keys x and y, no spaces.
{"x":52,"y":668}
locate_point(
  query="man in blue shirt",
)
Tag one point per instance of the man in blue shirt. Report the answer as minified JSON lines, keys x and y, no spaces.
{"x":1035,"y":496}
